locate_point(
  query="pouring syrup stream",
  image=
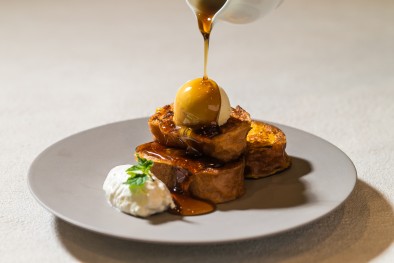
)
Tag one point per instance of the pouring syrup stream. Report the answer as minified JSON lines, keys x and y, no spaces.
{"x":205,"y":11}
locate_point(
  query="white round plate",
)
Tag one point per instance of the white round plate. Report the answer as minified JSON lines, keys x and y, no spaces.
{"x":67,"y":180}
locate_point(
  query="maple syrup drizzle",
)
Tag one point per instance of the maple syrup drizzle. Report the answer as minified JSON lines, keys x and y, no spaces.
{"x":190,"y":206}
{"x":187,"y":205}
{"x":206,"y":11}
{"x":198,"y":102}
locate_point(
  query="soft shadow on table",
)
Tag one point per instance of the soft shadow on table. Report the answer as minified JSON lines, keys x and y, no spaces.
{"x":358,"y":231}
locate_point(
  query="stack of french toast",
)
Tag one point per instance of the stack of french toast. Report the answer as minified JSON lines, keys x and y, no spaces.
{"x":212,"y":163}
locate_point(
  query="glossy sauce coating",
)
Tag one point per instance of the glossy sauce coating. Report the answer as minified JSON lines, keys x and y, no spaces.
{"x":187,"y":206}
{"x":179,"y":180}
{"x":179,"y":157}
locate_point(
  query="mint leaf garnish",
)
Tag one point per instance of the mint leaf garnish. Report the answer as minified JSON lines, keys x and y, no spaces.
{"x":138,"y":173}
{"x":136,"y":181}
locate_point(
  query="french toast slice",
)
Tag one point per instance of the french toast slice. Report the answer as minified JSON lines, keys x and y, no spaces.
{"x":203,"y":178}
{"x":225,"y":143}
{"x":265,"y":153}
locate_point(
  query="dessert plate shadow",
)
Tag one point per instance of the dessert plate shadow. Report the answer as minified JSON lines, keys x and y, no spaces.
{"x":67,"y":179}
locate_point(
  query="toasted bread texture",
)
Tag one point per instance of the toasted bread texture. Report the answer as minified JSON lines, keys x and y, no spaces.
{"x":265,"y":153}
{"x":203,"y":178}
{"x":225,"y":143}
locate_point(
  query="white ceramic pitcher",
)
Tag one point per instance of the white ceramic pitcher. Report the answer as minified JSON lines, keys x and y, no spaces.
{"x":241,"y":11}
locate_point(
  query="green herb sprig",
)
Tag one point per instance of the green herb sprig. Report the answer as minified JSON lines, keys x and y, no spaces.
{"x":139,"y":173}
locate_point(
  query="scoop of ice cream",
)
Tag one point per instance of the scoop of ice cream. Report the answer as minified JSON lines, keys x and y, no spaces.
{"x":225,"y":109}
{"x":201,"y":102}
{"x":150,"y":198}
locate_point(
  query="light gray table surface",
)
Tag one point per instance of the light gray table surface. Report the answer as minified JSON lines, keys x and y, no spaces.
{"x":323,"y":66}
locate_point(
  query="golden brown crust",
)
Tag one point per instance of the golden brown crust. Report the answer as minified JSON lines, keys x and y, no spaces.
{"x":265,"y":154}
{"x":203,"y":178}
{"x":229,"y":144}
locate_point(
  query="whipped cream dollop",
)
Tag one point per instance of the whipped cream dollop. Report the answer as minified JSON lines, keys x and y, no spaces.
{"x":150,"y":198}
